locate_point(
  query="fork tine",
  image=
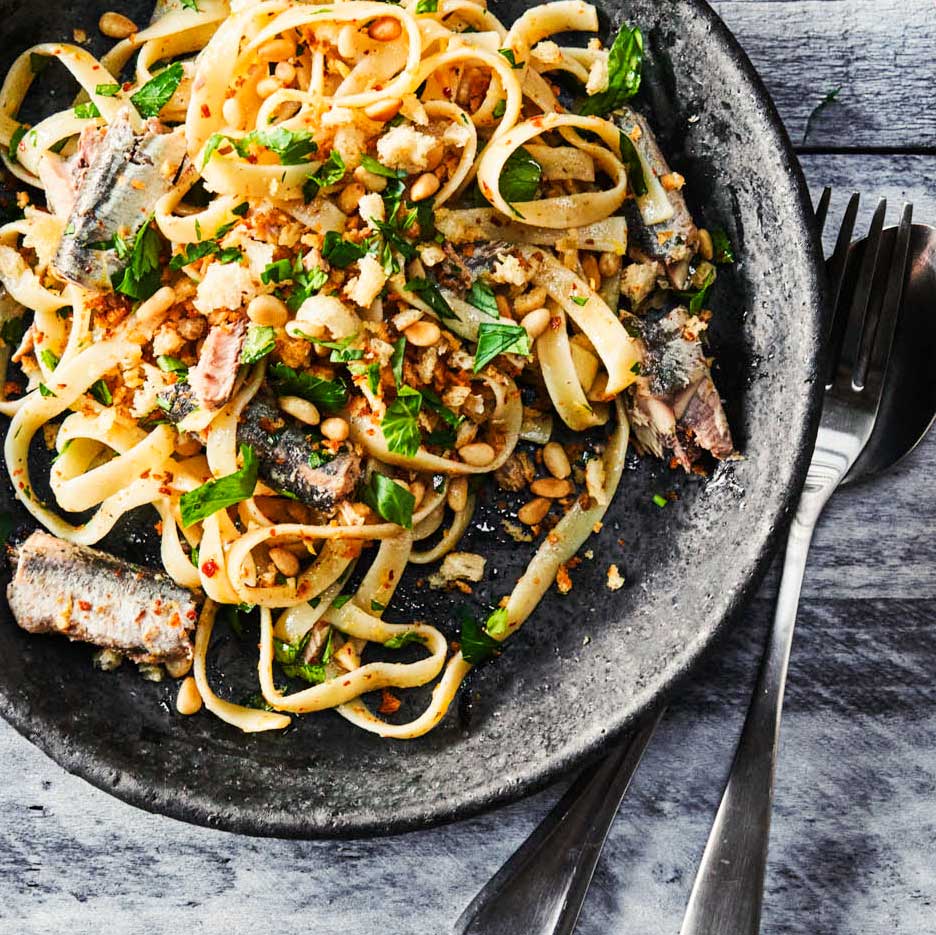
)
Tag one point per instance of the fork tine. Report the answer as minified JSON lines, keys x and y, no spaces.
{"x":837,"y":269}
{"x":861,"y":298}
{"x":822,"y":209}
{"x":879,"y":335}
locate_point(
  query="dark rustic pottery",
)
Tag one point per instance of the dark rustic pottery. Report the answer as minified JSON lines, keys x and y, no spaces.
{"x":586,"y":665}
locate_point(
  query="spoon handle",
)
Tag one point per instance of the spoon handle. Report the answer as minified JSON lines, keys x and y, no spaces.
{"x":541,"y":888}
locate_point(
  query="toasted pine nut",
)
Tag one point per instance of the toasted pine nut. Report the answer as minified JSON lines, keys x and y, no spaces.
{"x":179,"y":667}
{"x":267,"y":86}
{"x":383,"y":111}
{"x":706,"y":247}
{"x":458,"y":494}
{"x":534,"y":512}
{"x":276,"y":50}
{"x":335,"y":429}
{"x":385,"y":29}
{"x":286,"y":563}
{"x":590,"y":269}
{"x":477,"y":454}
{"x":233,"y":113}
{"x":267,"y":310}
{"x":535,"y":298}
{"x":188,"y":701}
{"x":424,"y":187}
{"x":536,"y":322}
{"x":609,"y":265}
{"x":503,"y":306}
{"x":423,"y":333}
{"x":285,"y":72}
{"x":300,"y":409}
{"x":117,"y":26}
{"x":556,"y":460}
{"x":350,"y":196}
{"x":672,"y":181}
{"x":371,"y":181}
{"x":551,"y":487}
{"x":434,"y":157}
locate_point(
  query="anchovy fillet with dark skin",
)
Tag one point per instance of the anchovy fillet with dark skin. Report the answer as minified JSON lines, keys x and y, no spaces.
{"x":127,"y":175}
{"x":675,"y":405}
{"x":673,"y":242}
{"x":291,"y":456}
{"x":92,"y":597}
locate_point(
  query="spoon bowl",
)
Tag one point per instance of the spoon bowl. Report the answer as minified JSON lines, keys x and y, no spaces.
{"x":908,"y":407}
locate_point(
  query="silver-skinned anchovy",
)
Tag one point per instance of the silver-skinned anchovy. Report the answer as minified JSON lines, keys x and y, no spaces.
{"x":291,"y":456}
{"x":127,"y":174}
{"x":93,"y":597}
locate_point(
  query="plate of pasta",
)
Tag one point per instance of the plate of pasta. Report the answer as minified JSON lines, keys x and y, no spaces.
{"x":397,"y":398}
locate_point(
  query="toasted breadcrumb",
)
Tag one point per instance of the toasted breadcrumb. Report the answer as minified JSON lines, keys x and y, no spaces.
{"x":563,"y":581}
{"x":615,"y":581}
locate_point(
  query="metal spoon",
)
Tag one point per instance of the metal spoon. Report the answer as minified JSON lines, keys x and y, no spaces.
{"x":908,"y":408}
{"x":540,"y":890}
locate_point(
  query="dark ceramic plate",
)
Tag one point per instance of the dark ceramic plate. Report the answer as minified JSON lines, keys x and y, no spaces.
{"x":587,"y":664}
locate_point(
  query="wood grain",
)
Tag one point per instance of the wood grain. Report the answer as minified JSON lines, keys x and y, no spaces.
{"x":853,"y":840}
{"x":879,"y":54}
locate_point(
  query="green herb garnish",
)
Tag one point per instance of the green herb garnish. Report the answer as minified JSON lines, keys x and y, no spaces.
{"x":329,"y":394}
{"x":430,"y":294}
{"x":393,"y":502}
{"x":635,"y":173}
{"x":520,"y":177}
{"x":482,"y":297}
{"x":400,"y":423}
{"x":219,"y":494}
{"x":404,"y":639}
{"x":155,"y":94}
{"x":495,"y":338}
{"x":625,"y":62}
{"x":260,"y":340}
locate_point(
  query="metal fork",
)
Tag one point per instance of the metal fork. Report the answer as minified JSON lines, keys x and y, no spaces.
{"x":727,"y":895}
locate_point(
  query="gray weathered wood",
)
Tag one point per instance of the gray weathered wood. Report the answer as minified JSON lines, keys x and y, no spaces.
{"x":880,"y":55}
{"x":853,"y":845}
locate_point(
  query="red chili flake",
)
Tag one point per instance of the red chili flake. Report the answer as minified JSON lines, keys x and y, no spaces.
{"x":210,"y":568}
{"x":85,"y":605}
{"x":205,"y":110}
{"x":191,"y":615}
{"x":389,"y":703}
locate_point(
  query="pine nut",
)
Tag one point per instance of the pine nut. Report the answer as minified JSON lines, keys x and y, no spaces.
{"x":551,"y":487}
{"x":300,"y":409}
{"x":350,"y":196}
{"x":458,"y":494}
{"x":536,"y":322}
{"x":706,"y":247}
{"x":383,"y":111}
{"x":335,"y":429}
{"x":423,"y":333}
{"x":590,"y":269}
{"x":179,"y":667}
{"x":285,"y":72}
{"x":434,"y":157}
{"x":267,"y":87}
{"x":188,"y":701}
{"x":276,"y":50}
{"x":424,"y":187}
{"x":609,"y":265}
{"x":534,"y":512}
{"x":477,"y":454}
{"x":233,"y":113}
{"x":117,"y":26}
{"x":267,"y":310}
{"x":286,"y":563}
{"x":385,"y":29}
{"x":370,"y":180}
{"x":556,"y":460}
{"x":535,"y":298}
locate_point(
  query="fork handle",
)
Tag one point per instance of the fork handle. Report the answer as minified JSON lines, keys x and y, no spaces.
{"x":540,"y":890}
{"x":728,"y":891}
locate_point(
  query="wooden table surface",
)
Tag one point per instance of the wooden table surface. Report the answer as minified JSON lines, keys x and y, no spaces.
{"x":854,"y":839}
